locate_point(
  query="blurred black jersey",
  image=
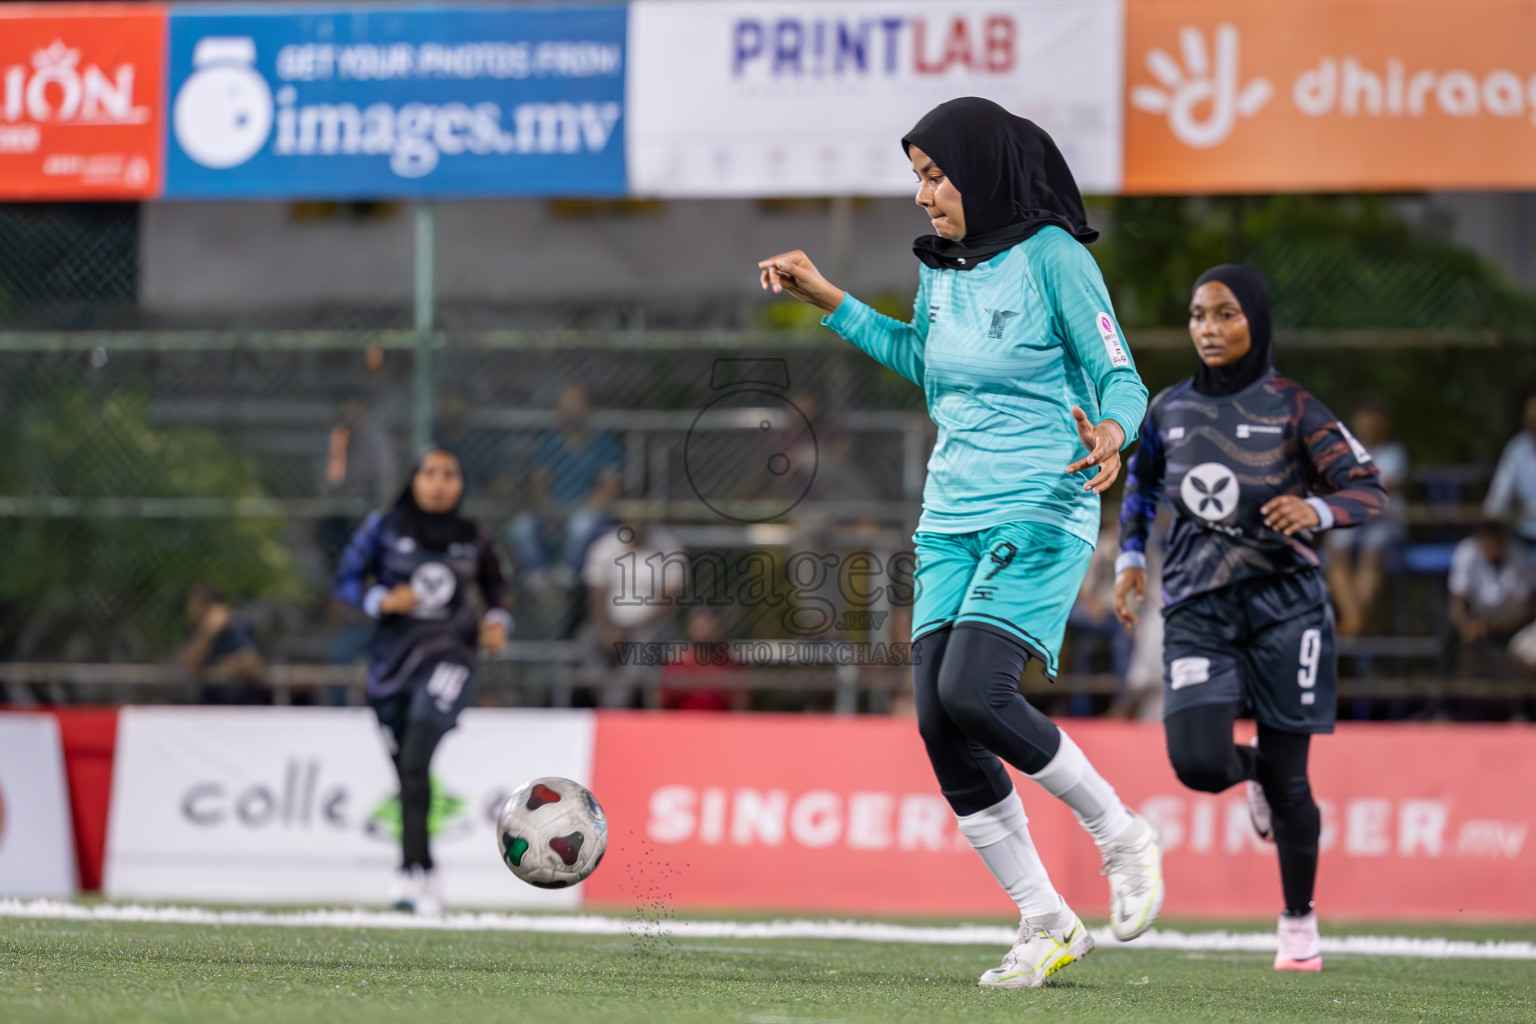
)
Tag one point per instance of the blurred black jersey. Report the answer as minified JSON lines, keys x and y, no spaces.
{"x":447,"y":615}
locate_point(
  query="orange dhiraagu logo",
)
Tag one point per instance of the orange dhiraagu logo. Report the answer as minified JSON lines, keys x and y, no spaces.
{"x":1317,"y":95}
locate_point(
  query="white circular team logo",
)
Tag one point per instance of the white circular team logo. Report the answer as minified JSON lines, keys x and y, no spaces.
{"x":1210,"y":491}
{"x":433,"y":583}
{"x":223,"y":111}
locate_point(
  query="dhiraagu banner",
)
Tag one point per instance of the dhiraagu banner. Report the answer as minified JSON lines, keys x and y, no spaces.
{"x":371,"y":102}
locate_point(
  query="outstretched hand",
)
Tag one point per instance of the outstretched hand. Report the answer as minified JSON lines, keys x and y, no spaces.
{"x":1130,"y":589}
{"x":795,"y":273}
{"x":493,"y":636}
{"x":1103,"y":442}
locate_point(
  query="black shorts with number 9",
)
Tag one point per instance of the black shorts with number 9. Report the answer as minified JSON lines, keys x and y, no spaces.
{"x":438,"y":688}
{"x":1265,"y":642}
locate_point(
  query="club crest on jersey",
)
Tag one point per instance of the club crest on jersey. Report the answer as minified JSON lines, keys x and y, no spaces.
{"x":434,"y":584}
{"x":1210,"y":491}
{"x":1000,"y":318}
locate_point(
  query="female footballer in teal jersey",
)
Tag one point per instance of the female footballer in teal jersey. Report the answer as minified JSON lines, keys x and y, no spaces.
{"x":1015,"y":344}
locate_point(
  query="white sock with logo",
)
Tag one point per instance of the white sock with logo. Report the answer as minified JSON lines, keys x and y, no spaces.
{"x":1000,"y":833}
{"x":1070,"y":777}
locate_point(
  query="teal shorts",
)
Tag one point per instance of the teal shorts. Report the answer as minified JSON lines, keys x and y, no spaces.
{"x":1020,"y":579}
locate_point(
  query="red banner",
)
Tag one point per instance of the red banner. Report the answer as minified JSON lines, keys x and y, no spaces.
{"x":841,"y":814}
{"x":81,"y":89}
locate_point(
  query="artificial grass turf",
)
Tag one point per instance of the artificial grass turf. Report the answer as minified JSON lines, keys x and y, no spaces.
{"x":93,"y":971}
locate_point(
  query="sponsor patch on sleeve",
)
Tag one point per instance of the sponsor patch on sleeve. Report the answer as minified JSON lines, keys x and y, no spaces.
{"x":1106,"y":326}
{"x":1361,"y":455}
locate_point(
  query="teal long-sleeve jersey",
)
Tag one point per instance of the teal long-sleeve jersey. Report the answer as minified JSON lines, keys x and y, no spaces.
{"x":1003,"y":352}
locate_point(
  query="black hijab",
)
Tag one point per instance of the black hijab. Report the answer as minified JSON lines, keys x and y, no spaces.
{"x":432,"y":530}
{"x":1012,"y":181}
{"x":1253,"y":295}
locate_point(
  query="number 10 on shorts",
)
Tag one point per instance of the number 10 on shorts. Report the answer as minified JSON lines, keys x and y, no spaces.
{"x":1311,"y":653}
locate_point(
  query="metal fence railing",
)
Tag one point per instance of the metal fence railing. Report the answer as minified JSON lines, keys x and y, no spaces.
{"x":138,"y":463}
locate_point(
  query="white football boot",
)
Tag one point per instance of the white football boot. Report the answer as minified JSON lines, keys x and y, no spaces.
{"x":402,"y":890}
{"x":1258,"y":806}
{"x":418,"y":891}
{"x":1301,"y":948}
{"x":429,"y":898}
{"x":1133,"y":863}
{"x":1045,"y":945}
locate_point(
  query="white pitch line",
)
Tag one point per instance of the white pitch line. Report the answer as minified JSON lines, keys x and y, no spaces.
{"x":862,"y":931}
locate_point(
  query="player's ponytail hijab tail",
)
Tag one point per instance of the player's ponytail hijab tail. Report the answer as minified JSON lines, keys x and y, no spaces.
{"x":434,"y":530}
{"x":1253,"y":295}
{"x":1012,"y":181}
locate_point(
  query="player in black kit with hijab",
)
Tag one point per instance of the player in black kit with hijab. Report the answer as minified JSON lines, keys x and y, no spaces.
{"x":424,"y":561}
{"x":1253,"y":466}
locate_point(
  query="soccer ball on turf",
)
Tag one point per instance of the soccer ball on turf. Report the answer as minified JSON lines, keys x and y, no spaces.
{"x":552,"y":832}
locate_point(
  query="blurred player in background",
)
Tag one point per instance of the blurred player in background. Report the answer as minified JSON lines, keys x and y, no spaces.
{"x":1252,"y":465}
{"x":414,"y":568}
{"x":1014,"y":341}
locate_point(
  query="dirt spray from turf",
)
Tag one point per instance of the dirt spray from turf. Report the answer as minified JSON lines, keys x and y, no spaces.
{"x":649,"y":883}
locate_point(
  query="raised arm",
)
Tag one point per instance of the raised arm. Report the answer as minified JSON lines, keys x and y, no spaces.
{"x":895,"y":345}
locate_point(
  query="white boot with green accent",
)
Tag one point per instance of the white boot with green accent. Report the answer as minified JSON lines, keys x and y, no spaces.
{"x":1045,"y":945}
{"x":1133,"y":863}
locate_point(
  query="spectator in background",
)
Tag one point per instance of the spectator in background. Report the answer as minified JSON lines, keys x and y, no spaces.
{"x":1512,"y":495}
{"x":1141,"y":698}
{"x":1492,"y":583}
{"x":706,"y":637}
{"x":576,"y":477}
{"x":221,"y":653}
{"x":1357,"y":558}
{"x":825,"y":464}
{"x":482,"y":451}
{"x":631,"y":575}
{"x":360,"y":462}
{"x":1093,"y":613}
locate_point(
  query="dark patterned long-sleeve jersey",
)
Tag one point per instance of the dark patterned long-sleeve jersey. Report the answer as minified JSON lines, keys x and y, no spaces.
{"x":1219,"y":461}
{"x":384,"y":553}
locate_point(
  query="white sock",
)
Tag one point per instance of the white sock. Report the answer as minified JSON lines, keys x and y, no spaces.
{"x":1000,"y":833}
{"x":1070,"y":777}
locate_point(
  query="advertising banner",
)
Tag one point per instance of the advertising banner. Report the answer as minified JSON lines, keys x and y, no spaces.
{"x":842,"y":814}
{"x":812,"y":97}
{"x":1329,"y":95}
{"x":360,"y":102}
{"x":300,"y":805}
{"x":37,"y":851}
{"x":80,"y":95}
